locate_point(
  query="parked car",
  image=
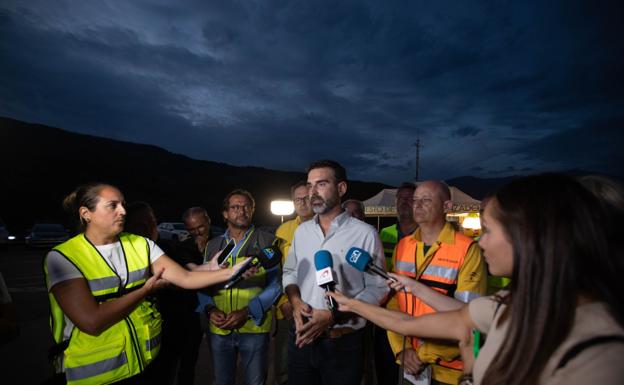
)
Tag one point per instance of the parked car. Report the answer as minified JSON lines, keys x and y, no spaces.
{"x":46,"y":234}
{"x":175,"y":231}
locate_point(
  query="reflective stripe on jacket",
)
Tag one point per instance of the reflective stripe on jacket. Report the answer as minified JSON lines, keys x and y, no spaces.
{"x":124,"y":349}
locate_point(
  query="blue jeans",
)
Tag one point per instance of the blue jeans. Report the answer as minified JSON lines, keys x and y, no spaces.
{"x":253,"y":349}
{"x":327,"y":361}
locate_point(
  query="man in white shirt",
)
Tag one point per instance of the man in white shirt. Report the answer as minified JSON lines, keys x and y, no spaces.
{"x":323,"y":349}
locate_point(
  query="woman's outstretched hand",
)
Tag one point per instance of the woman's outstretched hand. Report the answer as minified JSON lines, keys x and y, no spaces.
{"x":238,"y":266}
{"x":344,"y":302}
{"x":401,"y":282}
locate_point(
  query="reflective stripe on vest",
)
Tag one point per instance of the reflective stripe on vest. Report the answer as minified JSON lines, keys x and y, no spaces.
{"x":466,"y":296}
{"x":137,"y":276}
{"x":101,"y":284}
{"x":92,"y":370}
{"x":153,"y":343}
{"x":405,"y":268}
{"x":440,"y":274}
{"x":125,"y":348}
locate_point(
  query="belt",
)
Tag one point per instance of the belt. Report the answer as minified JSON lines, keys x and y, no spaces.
{"x":339,"y":332}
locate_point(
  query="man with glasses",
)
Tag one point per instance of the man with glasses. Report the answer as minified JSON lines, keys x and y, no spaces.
{"x":326,"y":347}
{"x":240,"y":317}
{"x":449,"y":268}
{"x":283,"y":314}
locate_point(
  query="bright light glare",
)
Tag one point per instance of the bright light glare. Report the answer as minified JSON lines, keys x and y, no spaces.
{"x":282,"y":207}
{"x":11,"y":237}
{"x":473,"y":223}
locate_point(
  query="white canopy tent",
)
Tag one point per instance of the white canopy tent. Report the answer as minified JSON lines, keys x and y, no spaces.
{"x":382,"y":204}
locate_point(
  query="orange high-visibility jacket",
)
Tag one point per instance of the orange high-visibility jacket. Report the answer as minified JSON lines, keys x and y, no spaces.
{"x":440,"y":269}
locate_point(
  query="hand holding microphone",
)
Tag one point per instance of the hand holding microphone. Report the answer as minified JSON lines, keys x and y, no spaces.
{"x":341,"y":300}
{"x":268,"y":258}
{"x":402,"y":282}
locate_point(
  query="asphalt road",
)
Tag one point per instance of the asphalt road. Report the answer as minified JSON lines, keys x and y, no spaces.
{"x":24,"y":357}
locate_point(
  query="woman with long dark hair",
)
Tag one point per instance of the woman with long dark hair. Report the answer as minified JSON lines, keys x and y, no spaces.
{"x":561,"y":321}
{"x":100,"y":282}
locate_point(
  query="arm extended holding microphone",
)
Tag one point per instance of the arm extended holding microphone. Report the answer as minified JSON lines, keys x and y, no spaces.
{"x":269,"y":258}
{"x":451,"y":325}
{"x":249,"y":268}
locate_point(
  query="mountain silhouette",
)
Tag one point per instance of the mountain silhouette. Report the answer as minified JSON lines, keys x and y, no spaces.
{"x":43,"y":164}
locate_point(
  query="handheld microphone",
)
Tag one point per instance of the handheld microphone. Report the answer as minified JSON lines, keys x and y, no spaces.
{"x":362,"y":260}
{"x":324,"y":277}
{"x":268,"y":258}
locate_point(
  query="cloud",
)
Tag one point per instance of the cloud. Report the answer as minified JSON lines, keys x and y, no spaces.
{"x":595,"y":145}
{"x":488,"y":88}
{"x":466,"y":131}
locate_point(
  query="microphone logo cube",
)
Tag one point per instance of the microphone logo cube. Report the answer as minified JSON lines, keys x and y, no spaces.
{"x":324,"y":276}
{"x":269,"y":252}
{"x":355,"y":255}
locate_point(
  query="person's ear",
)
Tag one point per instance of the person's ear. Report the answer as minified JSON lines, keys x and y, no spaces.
{"x":84,"y":214}
{"x":448,"y":206}
{"x":342,"y":188}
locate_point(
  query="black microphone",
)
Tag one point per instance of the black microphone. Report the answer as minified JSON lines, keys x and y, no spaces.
{"x":362,"y":260}
{"x":268,"y":258}
{"x":324,"y":276}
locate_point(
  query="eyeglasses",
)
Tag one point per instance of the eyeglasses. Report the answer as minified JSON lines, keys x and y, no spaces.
{"x":422,"y":202}
{"x":240,"y":208}
{"x":300,"y":201}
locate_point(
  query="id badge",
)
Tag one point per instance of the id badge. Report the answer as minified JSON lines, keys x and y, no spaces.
{"x":423,"y":378}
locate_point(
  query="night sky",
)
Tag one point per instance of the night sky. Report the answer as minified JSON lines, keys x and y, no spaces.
{"x":493,"y":88}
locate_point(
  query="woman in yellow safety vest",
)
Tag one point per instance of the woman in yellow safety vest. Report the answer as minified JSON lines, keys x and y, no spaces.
{"x":103,"y":320}
{"x":561,"y":319}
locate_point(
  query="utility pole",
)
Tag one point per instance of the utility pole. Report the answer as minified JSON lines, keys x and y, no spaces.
{"x":418,"y":145}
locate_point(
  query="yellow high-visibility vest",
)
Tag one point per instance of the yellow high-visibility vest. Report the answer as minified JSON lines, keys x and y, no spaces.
{"x":389,"y":238}
{"x":124,"y":349}
{"x":239,"y":296}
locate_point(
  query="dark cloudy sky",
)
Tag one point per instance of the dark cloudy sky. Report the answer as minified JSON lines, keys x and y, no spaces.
{"x":493,"y":88}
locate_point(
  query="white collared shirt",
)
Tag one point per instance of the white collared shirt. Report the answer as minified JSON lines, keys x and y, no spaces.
{"x":344,"y":232}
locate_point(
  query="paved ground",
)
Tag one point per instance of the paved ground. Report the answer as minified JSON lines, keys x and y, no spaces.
{"x":24,"y":357}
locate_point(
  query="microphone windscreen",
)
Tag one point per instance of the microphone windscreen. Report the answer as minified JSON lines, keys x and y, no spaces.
{"x":358,"y":258}
{"x":323,"y":259}
{"x":269,"y":257}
